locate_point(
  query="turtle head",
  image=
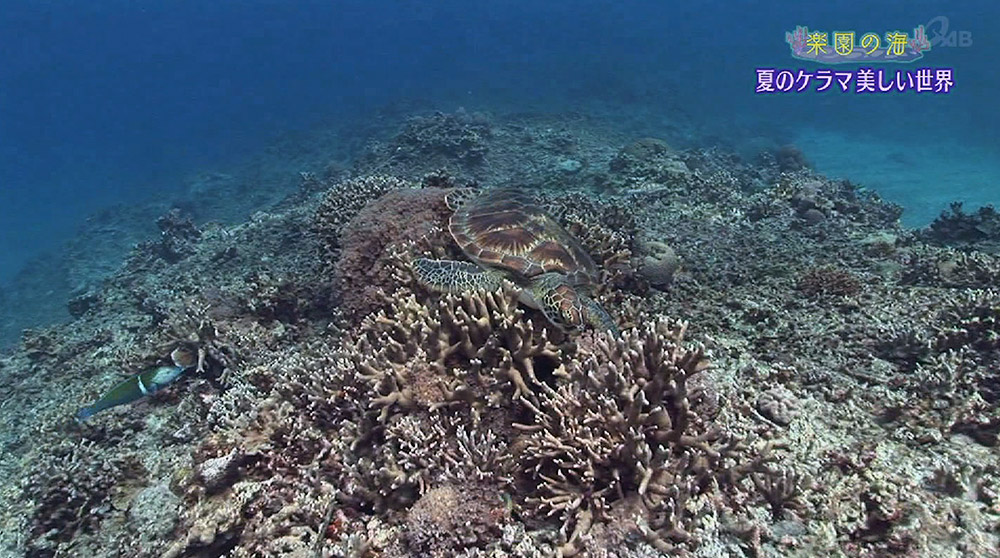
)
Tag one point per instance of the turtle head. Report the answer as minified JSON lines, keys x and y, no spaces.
{"x":567,"y":307}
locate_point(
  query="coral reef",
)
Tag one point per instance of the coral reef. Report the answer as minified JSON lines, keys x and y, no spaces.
{"x":822,"y":281}
{"x":814,"y":381}
{"x":647,"y":163}
{"x":73,"y":490}
{"x":955,"y":227}
{"x":790,"y":158}
{"x":623,"y":431}
{"x":450,"y":517}
{"x":341,"y":202}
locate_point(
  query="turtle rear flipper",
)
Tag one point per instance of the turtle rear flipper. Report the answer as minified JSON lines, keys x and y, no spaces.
{"x":455,"y":277}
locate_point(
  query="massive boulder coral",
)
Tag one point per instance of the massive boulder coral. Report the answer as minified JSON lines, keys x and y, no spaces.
{"x":659,"y":263}
{"x":341,"y":203}
{"x":375,"y":241}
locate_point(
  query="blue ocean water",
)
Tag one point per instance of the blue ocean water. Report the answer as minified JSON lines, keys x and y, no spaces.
{"x":116,"y":101}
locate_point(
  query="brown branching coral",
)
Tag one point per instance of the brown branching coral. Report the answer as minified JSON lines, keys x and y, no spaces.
{"x":413,"y":454}
{"x":906,"y":346}
{"x":472,"y":344}
{"x":956,"y":227}
{"x":607,"y":231}
{"x":177,"y":232}
{"x":790,"y":158}
{"x":424,"y":378}
{"x":466,"y":391}
{"x":782,"y":490}
{"x":623,"y":426}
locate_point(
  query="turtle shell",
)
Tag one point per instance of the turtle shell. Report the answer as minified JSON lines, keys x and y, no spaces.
{"x":506,"y":230}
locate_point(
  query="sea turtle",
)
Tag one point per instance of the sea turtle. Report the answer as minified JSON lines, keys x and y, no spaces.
{"x":510,"y":239}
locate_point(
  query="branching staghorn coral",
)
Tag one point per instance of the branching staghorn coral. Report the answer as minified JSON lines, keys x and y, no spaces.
{"x":464,"y":348}
{"x":424,"y":378}
{"x":466,"y":390}
{"x":608,"y":232}
{"x":622,"y":427}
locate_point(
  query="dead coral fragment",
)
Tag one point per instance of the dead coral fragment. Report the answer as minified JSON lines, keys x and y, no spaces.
{"x":218,"y":473}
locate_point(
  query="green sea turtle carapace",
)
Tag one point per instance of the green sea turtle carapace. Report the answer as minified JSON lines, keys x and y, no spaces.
{"x":511,"y":240}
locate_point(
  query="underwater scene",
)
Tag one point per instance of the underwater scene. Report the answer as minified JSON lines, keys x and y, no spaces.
{"x":400,"y":279}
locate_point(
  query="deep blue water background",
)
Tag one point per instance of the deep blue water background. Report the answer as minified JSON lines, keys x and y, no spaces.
{"x":104,"y":102}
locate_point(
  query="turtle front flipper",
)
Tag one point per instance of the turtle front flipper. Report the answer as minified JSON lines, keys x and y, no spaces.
{"x":595,"y":315}
{"x":455,"y":277}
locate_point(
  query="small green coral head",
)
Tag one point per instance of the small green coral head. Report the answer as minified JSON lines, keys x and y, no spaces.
{"x":134,"y":388}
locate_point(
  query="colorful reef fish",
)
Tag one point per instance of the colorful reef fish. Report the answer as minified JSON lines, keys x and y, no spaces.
{"x":132,"y":389}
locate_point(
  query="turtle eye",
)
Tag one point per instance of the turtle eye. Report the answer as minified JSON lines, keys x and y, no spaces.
{"x":572,"y":316}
